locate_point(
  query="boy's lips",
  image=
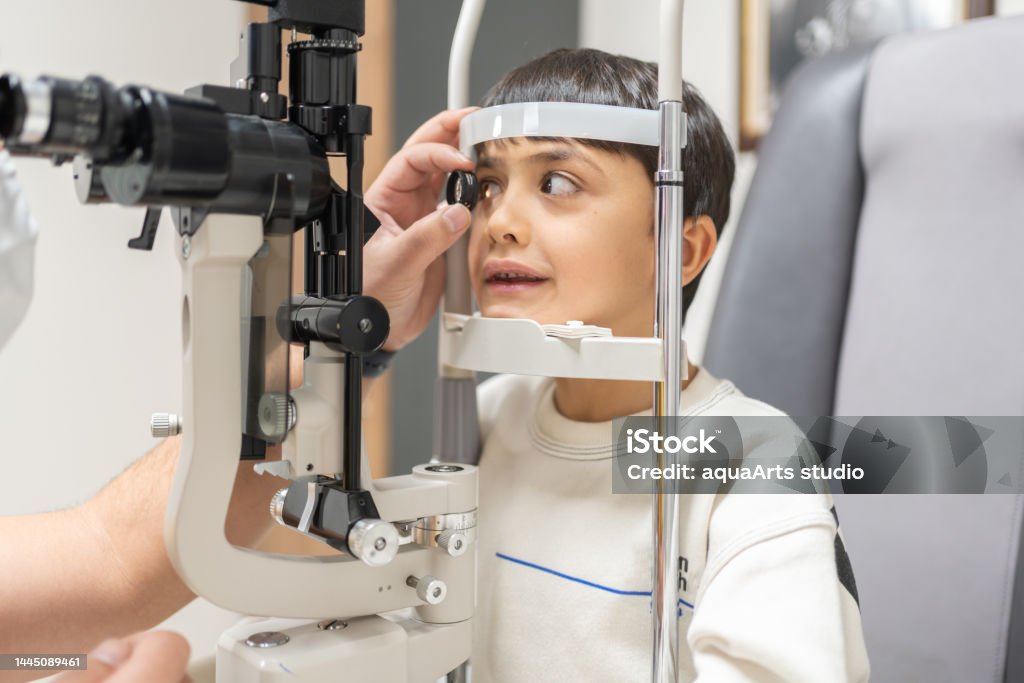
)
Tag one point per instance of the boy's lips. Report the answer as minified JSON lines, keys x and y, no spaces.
{"x":497,"y":287}
{"x":504,"y":276}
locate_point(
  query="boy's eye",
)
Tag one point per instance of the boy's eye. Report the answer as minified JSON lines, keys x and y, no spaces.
{"x":558,"y":185}
{"x":489,"y":189}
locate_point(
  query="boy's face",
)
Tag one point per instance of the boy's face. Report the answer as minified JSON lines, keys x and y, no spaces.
{"x":578,"y":221}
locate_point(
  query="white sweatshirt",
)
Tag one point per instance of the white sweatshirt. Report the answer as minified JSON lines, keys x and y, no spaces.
{"x":564,"y":579}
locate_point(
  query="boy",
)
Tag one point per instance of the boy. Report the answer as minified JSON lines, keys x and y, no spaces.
{"x":565,"y":565}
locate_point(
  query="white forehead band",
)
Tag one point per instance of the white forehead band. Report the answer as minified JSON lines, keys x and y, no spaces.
{"x":560,"y":120}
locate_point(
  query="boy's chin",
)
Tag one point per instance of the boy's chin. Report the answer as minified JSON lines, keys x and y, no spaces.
{"x":512,"y":311}
{"x":506,"y":311}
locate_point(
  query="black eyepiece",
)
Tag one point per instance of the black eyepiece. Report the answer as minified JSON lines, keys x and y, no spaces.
{"x":12,"y":107}
{"x":463,"y":188}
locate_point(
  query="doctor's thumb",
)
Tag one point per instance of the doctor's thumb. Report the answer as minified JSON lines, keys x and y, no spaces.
{"x":456,"y":217}
{"x":430,"y":236}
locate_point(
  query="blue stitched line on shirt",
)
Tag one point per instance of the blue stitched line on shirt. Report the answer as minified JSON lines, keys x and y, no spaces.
{"x":579,"y":580}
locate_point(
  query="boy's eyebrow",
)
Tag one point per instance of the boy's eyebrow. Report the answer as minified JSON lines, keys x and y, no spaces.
{"x":484,"y":161}
{"x":561,"y":153}
{"x":565,"y":153}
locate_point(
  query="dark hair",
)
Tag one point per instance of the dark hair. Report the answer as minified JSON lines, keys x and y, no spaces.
{"x":596,"y":77}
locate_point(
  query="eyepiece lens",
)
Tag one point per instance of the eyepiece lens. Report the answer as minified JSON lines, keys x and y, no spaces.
{"x":7,"y":108}
{"x":463,"y":188}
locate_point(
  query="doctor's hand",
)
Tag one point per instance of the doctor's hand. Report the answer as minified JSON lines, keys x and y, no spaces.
{"x":150,"y":656}
{"x":404,"y":260}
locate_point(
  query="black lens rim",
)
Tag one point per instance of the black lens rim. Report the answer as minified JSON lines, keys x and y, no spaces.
{"x":463,"y":188}
{"x":12,"y":107}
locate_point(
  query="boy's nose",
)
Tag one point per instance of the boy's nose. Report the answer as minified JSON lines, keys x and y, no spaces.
{"x":508,"y":224}
{"x":509,"y":237}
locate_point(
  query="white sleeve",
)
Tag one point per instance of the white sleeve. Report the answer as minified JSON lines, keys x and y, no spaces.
{"x":772,"y":608}
{"x":17,"y":250}
{"x":16,"y":223}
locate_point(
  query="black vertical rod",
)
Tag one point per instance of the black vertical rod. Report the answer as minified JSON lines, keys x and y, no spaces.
{"x":354,"y":211}
{"x":309,"y":266}
{"x":330,"y":280}
{"x":354,"y":286}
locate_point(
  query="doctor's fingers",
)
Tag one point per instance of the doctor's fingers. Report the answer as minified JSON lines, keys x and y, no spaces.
{"x":157,"y":657}
{"x":442,"y":127}
{"x":411,"y":252}
{"x":418,"y":165}
{"x":153,"y":657}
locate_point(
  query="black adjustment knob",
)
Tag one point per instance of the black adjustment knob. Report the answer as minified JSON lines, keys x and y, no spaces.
{"x":355,"y":324}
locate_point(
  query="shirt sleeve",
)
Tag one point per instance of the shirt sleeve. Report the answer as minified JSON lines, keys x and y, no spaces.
{"x":17,"y":250}
{"x":772,"y":607}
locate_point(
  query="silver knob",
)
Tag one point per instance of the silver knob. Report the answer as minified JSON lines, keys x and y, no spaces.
{"x":265,"y":639}
{"x":373,"y":541}
{"x":430,"y":590}
{"x":164,"y":424}
{"x":276,"y":414}
{"x":453,"y":541}
{"x":277,"y":506}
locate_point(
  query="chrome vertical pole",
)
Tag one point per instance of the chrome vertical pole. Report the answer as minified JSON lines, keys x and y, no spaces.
{"x":668,"y":326}
{"x":456,"y":430}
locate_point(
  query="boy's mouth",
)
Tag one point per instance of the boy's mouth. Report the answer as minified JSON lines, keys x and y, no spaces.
{"x":506,"y":277}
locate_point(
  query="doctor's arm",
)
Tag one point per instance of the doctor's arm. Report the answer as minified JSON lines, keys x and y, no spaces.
{"x":75,"y":577}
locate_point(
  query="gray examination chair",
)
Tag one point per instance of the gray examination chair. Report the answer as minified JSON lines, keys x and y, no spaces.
{"x":878,"y":269}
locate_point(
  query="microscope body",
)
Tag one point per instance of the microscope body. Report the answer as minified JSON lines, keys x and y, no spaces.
{"x":426,"y":568}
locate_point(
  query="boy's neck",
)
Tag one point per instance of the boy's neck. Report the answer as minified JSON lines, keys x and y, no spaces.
{"x":600,"y":400}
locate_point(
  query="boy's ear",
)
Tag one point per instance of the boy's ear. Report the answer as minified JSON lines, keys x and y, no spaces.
{"x":699,"y":241}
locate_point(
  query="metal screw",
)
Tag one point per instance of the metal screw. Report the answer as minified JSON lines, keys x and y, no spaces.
{"x":277,"y":505}
{"x":264,"y":97}
{"x":365,"y":325}
{"x":240,"y":83}
{"x":430,"y":590}
{"x":277,"y":414}
{"x":265,"y":639}
{"x":186,"y":246}
{"x":453,"y":542}
{"x":332,"y":625}
{"x":444,"y":468}
{"x":373,"y":541}
{"x":164,"y":424}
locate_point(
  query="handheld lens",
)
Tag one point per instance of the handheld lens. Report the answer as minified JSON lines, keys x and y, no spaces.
{"x":463,"y":188}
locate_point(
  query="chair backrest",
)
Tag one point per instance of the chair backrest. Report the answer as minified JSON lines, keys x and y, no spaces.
{"x":876,"y":270}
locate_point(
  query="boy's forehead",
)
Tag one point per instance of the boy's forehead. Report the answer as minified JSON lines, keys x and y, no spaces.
{"x":503,"y":151}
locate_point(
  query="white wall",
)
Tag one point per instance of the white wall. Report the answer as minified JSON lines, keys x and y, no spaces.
{"x":1010,"y":7}
{"x":99,"y":349}
{"x":710,"y":62}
